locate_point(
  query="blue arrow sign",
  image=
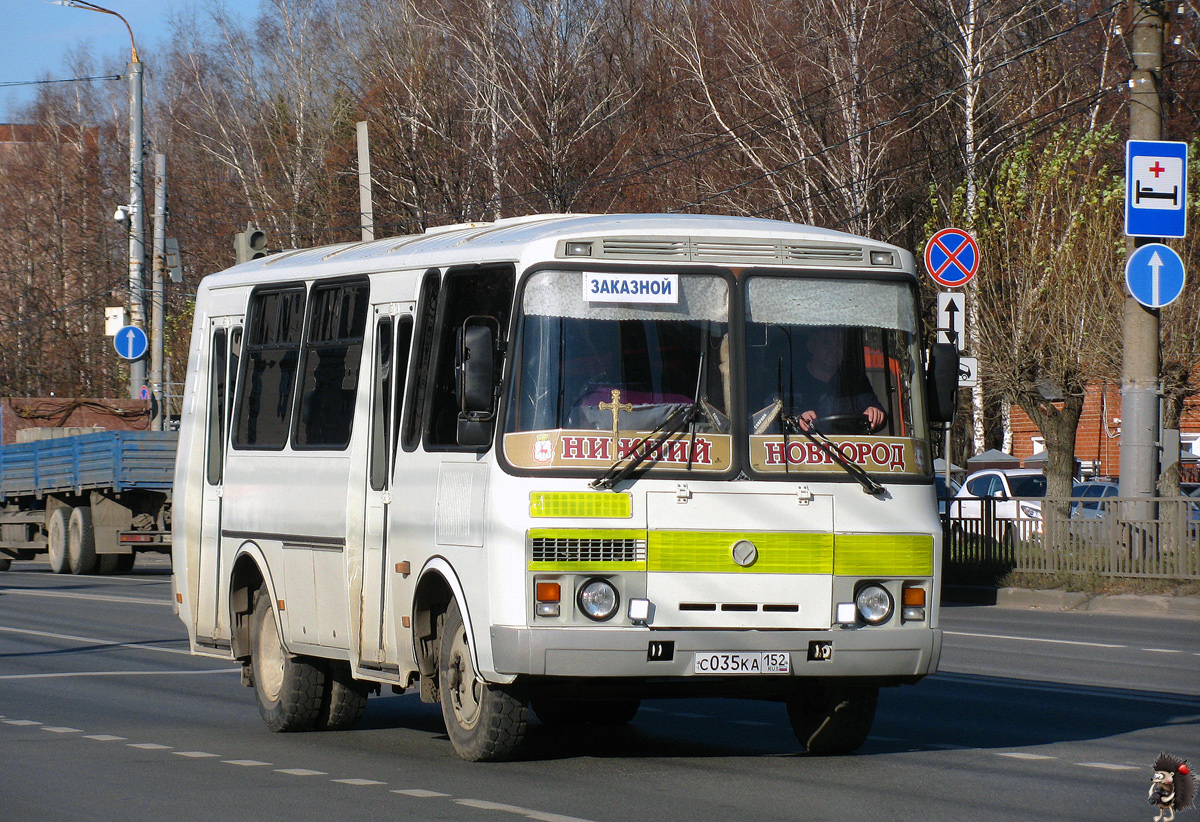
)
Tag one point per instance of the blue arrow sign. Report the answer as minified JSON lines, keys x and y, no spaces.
{"x":131,"y":343}
{"x":1154,"y":275}
{"x":1155,"y":188}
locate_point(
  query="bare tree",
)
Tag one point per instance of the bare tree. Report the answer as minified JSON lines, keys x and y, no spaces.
{"x":1050,"y":305}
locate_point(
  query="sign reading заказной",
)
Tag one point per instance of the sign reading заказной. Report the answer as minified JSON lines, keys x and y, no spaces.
{"x":630,"y":288}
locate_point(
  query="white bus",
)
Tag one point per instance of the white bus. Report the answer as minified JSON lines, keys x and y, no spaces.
{"x":563,"y":463}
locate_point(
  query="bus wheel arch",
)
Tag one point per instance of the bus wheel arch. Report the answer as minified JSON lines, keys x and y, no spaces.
{"x":244,"y":582}
{"x":430,"y":600}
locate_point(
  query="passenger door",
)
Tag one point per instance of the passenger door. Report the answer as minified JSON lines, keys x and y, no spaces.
{"x":389,"y":365}
{"x":225,"y":345}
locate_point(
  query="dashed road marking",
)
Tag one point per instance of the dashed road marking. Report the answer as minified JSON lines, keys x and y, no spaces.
{"x":1023,"y":755}
{"x":420,"y":793}
{"x":541,"y":816}
{"x":1108,"y":766}
{"x":105,"y":738}
{"x":21,"y":722}
{"x":149,"y":746}
{"x":1162,"y":650}
{"x":245,"y":763}
{"x":358,"y":782}
{"x":300,"y":772}
{"x":196,"y":754}
{"x":57,"y":730}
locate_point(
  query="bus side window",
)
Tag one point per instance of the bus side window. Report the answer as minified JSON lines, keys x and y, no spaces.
{"x":265,"y":391}
{"x":404,"y":333}
{"x":414,"y":392}
{"x":217,"y":377}
{"x":473,"y":293}
{"x":332,"y":360}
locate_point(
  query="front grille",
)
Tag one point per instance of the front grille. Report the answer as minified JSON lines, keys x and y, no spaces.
{"x":824,"y":253}
{"x":563,"y":549}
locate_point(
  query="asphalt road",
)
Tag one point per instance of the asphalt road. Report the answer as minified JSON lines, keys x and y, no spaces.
{"x":104,"y":716}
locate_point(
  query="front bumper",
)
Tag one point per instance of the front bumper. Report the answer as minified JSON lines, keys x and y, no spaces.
{"x":633,"y":652}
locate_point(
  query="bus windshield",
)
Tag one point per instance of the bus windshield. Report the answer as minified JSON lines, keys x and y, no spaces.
{"x":607,"y":364}
{"x":834,"y":357}
{"x":594,"y":377}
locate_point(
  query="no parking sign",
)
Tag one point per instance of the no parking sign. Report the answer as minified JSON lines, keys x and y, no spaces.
{"x":952,"y":257}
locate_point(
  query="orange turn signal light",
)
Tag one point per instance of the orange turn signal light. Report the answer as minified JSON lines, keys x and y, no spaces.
{"x":914,"y":597}
{"x":549,"y":592}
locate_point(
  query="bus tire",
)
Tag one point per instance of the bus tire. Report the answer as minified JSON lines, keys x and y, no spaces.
{"x":289,"y":689}
{"x":56,"y":539}
{"x":81,"y":541}
{"x":485,"y":722}
{"x":344,"y":701}
{"x":831,"y":718}
{"x":567,"y":712}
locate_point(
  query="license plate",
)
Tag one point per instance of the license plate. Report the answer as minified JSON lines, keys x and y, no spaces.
{"x":737,"y":662}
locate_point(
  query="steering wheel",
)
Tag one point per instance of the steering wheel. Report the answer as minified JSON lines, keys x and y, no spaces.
{"x":848,"y":424}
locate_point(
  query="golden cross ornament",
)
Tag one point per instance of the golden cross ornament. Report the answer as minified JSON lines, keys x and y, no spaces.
{"x":617,"y":407}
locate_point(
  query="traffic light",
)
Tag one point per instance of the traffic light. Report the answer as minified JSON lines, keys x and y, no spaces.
{"x":250,"y":244}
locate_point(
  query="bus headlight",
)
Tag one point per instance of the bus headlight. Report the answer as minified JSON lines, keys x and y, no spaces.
{"x":874,"y":604}
{"x":598,"y":599}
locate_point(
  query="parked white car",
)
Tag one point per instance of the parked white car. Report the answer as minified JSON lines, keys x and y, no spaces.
{"x":1015,"y":492}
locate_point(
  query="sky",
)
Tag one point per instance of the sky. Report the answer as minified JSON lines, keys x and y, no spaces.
{"x":38,"y":35}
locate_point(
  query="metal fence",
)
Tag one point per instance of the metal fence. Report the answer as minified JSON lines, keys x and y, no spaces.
{"x":1112,"y":537}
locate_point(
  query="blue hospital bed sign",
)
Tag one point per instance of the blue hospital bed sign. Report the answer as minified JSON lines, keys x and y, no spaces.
{"x":1155,"y":188}
{"x":131,"y":343}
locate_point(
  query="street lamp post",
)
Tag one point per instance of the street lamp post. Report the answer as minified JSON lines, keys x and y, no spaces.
{"x":136,"y":208}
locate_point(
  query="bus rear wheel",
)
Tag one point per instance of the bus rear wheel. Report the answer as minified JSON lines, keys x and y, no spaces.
{"x":289,"y":689}
{"x":344,"y":701}
{"x":831,"y":718}
{"x":485,"y":722}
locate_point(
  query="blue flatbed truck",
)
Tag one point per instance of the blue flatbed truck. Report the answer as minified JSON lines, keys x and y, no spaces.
{"x":92,"y":502}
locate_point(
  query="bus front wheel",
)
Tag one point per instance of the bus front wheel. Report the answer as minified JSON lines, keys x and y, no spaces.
{"x":485,"y":722}
{"x":289,"y":689}
{"x":830,"y":718}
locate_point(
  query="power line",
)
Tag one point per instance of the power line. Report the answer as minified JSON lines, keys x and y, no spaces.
{"x":12,"y":83}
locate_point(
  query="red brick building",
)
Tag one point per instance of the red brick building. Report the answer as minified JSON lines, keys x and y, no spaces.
{"x":1098,"y":438}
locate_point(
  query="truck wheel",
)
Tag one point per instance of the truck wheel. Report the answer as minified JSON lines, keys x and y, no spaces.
{"x":81,"y":541}
{"x":831,"y":718}
{"x":485,"y":722}
{"x":56,"y":539}
{"x":289,"y":689}
{"x":567,"y":712}
{"x":5,"y":564}
{"x":345,"y":699}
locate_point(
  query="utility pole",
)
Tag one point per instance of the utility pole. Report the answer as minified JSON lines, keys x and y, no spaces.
{"x":157,"y":296}
{"x":1140,"y":333}
{"x":137,"y":226}
{"x":135,"y":210}
{"x":366,"y":208}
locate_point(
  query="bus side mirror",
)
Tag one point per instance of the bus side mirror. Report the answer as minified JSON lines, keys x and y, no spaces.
{"x":475,"y":369}
{"x":941,"y":379}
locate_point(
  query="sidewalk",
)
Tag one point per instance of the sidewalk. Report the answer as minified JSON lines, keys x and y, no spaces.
{"x":1059,"y":600}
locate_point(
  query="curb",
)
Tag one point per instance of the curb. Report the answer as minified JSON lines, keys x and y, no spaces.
{"x":1151,"y":605}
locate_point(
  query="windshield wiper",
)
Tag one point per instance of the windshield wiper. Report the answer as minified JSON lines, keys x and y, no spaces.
{"x":831,"y":450}
{"x":672,"y":425}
